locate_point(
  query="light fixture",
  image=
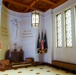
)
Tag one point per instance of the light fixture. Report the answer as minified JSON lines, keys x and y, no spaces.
{"x":35,"y":19}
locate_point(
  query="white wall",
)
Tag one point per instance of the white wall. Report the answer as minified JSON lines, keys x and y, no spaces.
{"x":27,"y":35}
{"x":65,"y":54}
{"x":48,"y":27}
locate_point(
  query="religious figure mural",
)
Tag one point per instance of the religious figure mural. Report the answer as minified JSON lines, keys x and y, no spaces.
{"x":15,"y":22}
{"x":14,"y":30}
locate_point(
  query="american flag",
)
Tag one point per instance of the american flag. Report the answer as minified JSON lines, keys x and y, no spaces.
{"x":38,"y":44}
{"x":45,"y":43}
{"x":42,"y":43}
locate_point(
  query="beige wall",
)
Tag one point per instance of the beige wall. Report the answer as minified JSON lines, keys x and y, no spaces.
{"x":0,"y":28}
{"x":4,"y":34}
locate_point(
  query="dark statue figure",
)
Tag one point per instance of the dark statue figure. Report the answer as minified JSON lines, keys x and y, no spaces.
{"x":15,"y":56}
{"x":21,"y":55}
{"x":7,"y":54}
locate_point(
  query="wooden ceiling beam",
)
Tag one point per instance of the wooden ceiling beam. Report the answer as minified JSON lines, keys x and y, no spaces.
{"x":27,"y":8}
{"x":39,"y":10}
{"x":32,"y":4}
{"x":9,"y":4}
{"x":59,"y":3}
{"x":49,"y":2}
{"x":17,"y":3}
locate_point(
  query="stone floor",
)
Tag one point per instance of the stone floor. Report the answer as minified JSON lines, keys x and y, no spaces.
{"x":37,"y":70}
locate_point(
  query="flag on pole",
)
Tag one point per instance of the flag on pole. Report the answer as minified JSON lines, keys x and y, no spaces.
{"x":42,"y":43}
{"x":45,"y":43}
{"x":38,"y":44}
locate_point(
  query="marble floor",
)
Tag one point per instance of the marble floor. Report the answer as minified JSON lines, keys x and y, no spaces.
{"x":38,"y":70}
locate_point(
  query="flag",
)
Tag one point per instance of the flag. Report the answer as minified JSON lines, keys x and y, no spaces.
{"x":42,"y":43}
{"x":45,"y":43}
{"x":38,"y":44}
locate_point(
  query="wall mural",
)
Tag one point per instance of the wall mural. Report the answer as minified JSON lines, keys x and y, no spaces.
{"x":15,"y":31}
{"x":16,"y":23}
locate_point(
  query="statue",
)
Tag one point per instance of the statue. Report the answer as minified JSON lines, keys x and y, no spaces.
{"x":7,"y":54}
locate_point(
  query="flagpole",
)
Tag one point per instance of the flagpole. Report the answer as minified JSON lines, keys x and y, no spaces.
{"x":41,"y":46}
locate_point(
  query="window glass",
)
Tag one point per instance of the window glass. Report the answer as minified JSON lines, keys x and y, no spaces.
{"x":68,"y":28}
{"x":59,"y":30}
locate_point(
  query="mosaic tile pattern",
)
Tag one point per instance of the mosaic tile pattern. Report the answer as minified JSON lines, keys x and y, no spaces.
{"x":39,"y":70}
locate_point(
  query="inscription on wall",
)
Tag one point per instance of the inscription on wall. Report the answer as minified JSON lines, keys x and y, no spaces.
{"x":27,"y":34}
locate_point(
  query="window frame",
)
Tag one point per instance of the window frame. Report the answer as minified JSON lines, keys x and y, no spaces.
{"x":66,"y":30}
{"x":57,"y":31}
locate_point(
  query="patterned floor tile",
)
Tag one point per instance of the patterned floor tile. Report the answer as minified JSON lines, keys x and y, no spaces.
{"x":38,"y":70}
{"x":19,"y":72}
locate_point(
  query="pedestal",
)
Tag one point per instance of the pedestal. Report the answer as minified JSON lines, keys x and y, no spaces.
{"x":41,"y":58}
{"x":29,"y":60}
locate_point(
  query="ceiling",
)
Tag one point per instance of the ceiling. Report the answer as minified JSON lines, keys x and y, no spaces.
{"x":31,"y":5}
